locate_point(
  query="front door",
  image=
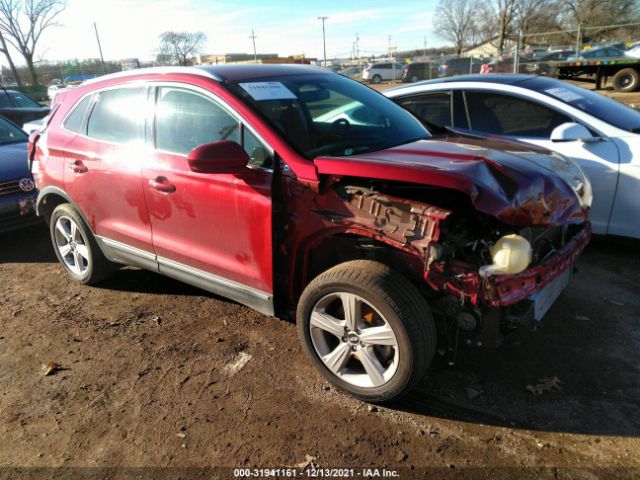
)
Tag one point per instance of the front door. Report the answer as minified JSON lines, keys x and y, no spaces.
{"x":210,"y":230}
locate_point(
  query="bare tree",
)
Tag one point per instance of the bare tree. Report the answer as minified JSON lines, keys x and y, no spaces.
{"x":534,"y":16}
{"x":179,"y":47}
{"x":454,"y":20}
{"x":497,"y":19}
{"x":5,"y":50}
{"x":23,"y":22}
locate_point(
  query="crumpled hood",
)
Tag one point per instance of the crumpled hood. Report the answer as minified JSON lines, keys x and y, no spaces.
{"x":13,"y":162}
{"x":518,"y":184}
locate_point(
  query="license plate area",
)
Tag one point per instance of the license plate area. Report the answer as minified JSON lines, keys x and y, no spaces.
{"x":546,"y":297}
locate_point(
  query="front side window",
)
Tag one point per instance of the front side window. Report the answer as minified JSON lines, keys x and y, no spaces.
{"x":508,"y":115}
{"x":432,"y":109}
{"x":186,"y":119}
{"x":118,"y":115}
{"x":328,"y":114}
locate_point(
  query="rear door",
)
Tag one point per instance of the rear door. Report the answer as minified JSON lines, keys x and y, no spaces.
{"x":211,"y":230}
{"x":103,"y":162}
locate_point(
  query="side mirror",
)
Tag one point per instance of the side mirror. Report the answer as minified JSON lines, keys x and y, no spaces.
{"x":224,"y":156}
{"x":572,"y":132}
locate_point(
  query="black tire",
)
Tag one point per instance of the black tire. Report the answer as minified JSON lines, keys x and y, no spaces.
{"x":414,"y":79}
{"x":402,"y":306}
{"x":97,"y":267}
{"x":626,"y":80}
{"x":376,"y":79}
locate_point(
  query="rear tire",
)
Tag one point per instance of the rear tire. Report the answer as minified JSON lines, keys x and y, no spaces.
{"x":380,"y":351}
{"x":376,"y":79}
{"x":626,"y":80}
{"x":76,"y":247}
{"x":414,"y":79}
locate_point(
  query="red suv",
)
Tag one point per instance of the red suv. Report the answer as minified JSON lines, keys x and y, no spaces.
{"x":307,"y":195}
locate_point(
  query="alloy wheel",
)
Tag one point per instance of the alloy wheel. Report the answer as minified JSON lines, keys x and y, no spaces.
{"x":72,"y":245}
{"x":354,"y":340}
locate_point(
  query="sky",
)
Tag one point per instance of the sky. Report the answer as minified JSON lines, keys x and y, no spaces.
{"x":130,"y":28}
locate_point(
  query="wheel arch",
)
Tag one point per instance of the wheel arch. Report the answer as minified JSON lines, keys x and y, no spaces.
{"x":50,"y":197}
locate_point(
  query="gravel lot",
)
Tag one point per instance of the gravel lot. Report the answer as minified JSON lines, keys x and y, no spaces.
{"x":154,"y":373}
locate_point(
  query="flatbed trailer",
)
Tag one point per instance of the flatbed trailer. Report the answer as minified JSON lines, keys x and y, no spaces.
{"x":625,"y":71}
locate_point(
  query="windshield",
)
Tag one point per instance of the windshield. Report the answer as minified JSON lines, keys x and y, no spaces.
{"x":599,"y":106}
{"x":16,"y":100}
{"x":329,"y":114}
{"x":9,"y":133}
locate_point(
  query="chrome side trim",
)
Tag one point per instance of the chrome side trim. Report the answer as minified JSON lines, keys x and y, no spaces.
{"x":121,"y":253}
{"x":251,"y":297}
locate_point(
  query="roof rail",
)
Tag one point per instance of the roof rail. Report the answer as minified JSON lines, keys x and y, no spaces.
{"x":159,"y":70}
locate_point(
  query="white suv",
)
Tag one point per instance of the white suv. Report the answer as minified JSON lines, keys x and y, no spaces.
{"x":377,"y":72}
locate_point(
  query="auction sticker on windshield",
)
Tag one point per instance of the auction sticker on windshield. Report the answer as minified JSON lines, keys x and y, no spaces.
{"x":564,"y":94}
{"x":268,"y":91}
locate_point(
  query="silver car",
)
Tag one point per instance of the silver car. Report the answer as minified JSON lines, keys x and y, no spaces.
{"x":382,"y":71}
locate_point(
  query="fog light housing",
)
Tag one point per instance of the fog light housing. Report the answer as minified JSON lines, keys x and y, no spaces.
{"x":511,"y":254}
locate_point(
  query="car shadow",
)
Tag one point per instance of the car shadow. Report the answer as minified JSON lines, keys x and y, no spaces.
{"x":589,"y":342}
{"x":27,"y":245}
{"x":135,"y":280}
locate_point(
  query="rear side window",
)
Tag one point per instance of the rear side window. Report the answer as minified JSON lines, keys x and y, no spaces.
{"x":186,"y":119}
{"x":118,"y":115}
{"x":509,"y":115}
{"x":73,"y":123}
{"x":431,"y":109}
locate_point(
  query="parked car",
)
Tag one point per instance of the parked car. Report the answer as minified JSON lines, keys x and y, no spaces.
{"x":504,"y":64}
{"x":19,"y":108}
{"x":541,"y":65}
{"x":33,"y":125}
{"x":352,"y":72}
{"x":633,"y":51}
{"x":362,"y":233}
{"x":416,"y":71}
{"x":459,"y":66}
{"x":382,"y":72}
{"x":600,"y":134}
{"x":600,"y":52}
{"x":17,"y":189}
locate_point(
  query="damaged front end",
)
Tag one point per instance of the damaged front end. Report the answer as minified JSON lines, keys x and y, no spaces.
{"x":445,"y":211}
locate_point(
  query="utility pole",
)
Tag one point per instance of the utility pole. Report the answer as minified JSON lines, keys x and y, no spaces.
{"x":578,"y":39}
{"x":255,"y":54}
{"x":324,"y":43}
{"x":357,"y":47}
{"x":425,"y":46}
{"x":95,"y":27}
{"x":389,"y":48}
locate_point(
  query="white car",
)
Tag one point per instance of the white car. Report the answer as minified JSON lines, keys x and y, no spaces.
{"x":600,"y":134}
{"x":382,"y":71}
{"x":34,"y":125}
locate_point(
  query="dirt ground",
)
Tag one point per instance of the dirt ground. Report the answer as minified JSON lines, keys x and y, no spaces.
{"x":154,"y":373}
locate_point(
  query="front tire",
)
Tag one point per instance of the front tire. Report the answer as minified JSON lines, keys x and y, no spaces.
{"x":76,"y":248}
{"x":367,"y":329}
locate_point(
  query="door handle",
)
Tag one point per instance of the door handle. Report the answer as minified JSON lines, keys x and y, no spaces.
{"x":78,"y":167}
{"x":161,"y":184}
